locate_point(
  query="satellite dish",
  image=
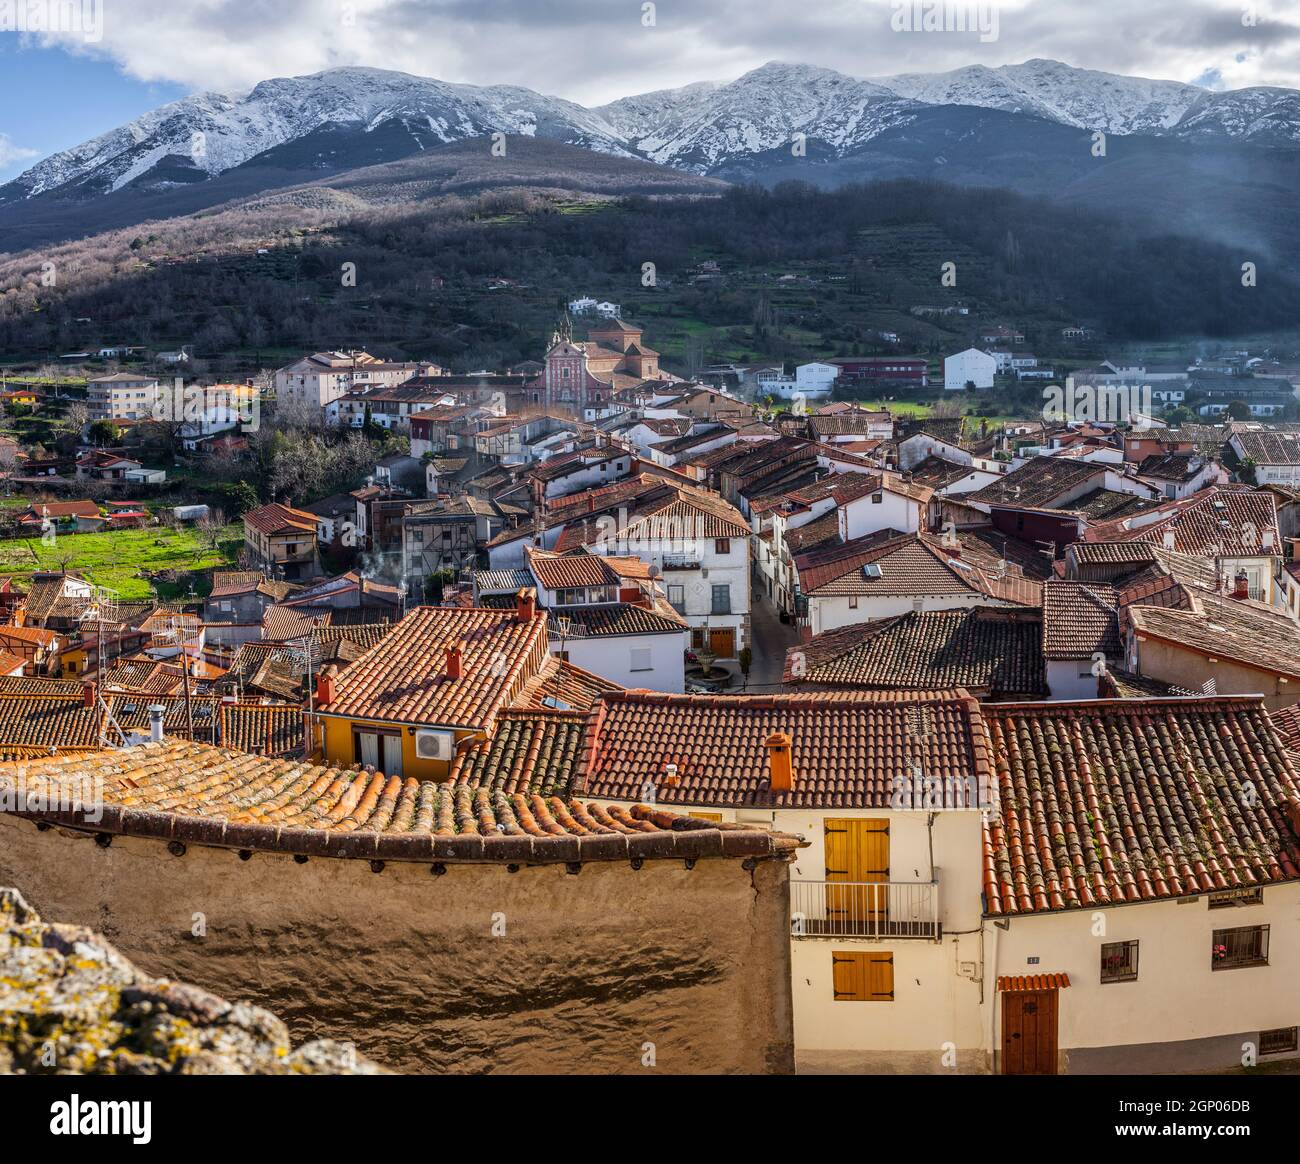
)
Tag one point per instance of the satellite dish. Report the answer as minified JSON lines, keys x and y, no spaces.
{"x":653,"y":571}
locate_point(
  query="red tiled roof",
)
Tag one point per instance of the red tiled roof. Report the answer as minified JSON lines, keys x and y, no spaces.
{"x":404,"y":679}
{"x":1021,"y":982}
{"x":48,"y":721}
{"x":530,"y":751}
{"x":42,"y":509}
{"x":574,"y":570}
{"x":276,"y":518}
{"x":560,"y":685}
{"x":283,"y":624}
{"x":911,"y":565}
{"x":1108,"y":802}
{"x":1080,"y":619}
{"x":619,"y":618}
{"x":1287,"y":722}
{"x":263,"y":729}
{"x":988,"y":650}
{"x":189,"y":792}
{"x":1231,"y":521}
{"x":861,"y":749}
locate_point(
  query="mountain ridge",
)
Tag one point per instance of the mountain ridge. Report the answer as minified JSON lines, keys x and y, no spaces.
{"x":697,"y":127}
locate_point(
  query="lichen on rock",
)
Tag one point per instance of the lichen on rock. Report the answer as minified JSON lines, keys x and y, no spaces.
{"x":70,"y":1004}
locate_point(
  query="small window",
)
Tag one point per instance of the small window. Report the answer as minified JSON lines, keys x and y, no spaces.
{"x":1240,"y":946}
{"x":1277,"y":1041}
{"x":853,"y":602}
{"x":863,"y":976}
{"x":1119,"y":962}
{"x":722,"y":546}
{"x":1233,"y":897}
{"x":641,"y":659}
{"x":877,"y":498}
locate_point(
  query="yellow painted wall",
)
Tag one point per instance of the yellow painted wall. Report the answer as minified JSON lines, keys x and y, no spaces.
{"x":338,"y":749}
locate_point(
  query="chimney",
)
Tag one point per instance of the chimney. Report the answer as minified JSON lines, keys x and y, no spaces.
{"x":156,"y":712}
{"x":324,"y":690}
{"x":1241,"y":585}
{"x":19,"y":615}
{"x":88,"y":695}
{"x":526,"y":605}
{"x":455,"y":660}
{"x":780,"y":772}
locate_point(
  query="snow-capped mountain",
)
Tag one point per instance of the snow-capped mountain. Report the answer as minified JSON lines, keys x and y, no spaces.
{"x":1079,"y":97}
{"x":210,"y":133}
{"x":1089,"y":99}
{"x":350,"y":117}
{"x":761,"y":111}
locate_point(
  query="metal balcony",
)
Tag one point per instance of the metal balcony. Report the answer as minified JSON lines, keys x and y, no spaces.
{"x":856,"y":909}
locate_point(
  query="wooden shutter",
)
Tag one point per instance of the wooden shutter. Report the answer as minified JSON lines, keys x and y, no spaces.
{"x":863,"y":976}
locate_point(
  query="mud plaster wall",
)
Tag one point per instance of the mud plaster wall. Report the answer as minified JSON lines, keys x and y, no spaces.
{"x":591,"y":966}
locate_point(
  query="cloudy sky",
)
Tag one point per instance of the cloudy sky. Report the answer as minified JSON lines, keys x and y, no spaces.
{"x":61,"y":88}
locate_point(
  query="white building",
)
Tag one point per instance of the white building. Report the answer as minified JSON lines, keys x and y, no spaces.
{"x":607,"y":615}
{"x":936,"y":928}
{"x":322,"y":377}
{"x":969,"y":369}
{"x":809,"y":380}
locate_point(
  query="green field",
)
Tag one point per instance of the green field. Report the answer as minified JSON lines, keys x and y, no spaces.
{"x":117,"y":559}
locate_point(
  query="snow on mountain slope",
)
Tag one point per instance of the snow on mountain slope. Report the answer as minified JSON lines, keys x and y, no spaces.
{"x":700,"y":128}
{"x":760,"y":111}
{"x":1081,"y":97}
{"x":212,"y":133}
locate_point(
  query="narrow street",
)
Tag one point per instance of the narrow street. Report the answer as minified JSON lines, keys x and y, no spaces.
{"x":771,"y":639}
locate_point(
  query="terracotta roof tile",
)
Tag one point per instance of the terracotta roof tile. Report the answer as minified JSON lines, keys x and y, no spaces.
{"x":1108,"y":802}
{"x":986,"y":650}
{"x":48,"y":721}
{"x":861,"y":749}
{"x":1080,"y":619}
{"x":561,"y":686}
{"x":195,"y":793}
{"x":404,"y":677}
{"x":276,"y":518}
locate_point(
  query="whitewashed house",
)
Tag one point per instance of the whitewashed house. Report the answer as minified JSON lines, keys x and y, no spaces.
{"x":971,"y":368}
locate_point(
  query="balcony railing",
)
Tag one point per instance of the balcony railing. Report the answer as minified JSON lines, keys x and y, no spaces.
{"x":682,"y":562}
{"x":859,"y":909}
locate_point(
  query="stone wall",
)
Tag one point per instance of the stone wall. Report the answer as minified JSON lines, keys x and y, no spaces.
{"x":609,"y":969}
{"x":70,"y":1004}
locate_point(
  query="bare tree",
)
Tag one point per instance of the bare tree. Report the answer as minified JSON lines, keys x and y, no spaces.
{"x":78,"y":416}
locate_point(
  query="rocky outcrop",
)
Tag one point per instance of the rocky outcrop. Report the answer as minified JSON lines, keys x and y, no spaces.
{"x":70,"y":1004}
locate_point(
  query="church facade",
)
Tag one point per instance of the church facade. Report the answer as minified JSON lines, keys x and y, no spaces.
{"x":584,"y":374}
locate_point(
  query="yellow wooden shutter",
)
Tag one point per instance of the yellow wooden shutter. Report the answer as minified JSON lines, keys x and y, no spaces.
{"x":880,"y":977}
{"x":849,"y":981}
{"x":862,"y":977}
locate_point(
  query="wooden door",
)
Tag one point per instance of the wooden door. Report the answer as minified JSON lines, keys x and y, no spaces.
{"x":722,"y":642}
{"x":1029,"y":1032}
{"x":857,"y":851}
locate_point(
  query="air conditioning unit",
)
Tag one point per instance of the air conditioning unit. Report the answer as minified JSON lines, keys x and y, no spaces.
{"x":435,"y":745}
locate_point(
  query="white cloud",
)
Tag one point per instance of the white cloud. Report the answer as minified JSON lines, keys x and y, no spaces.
{"x":11,"y":154}
{"x":595,"y":50}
